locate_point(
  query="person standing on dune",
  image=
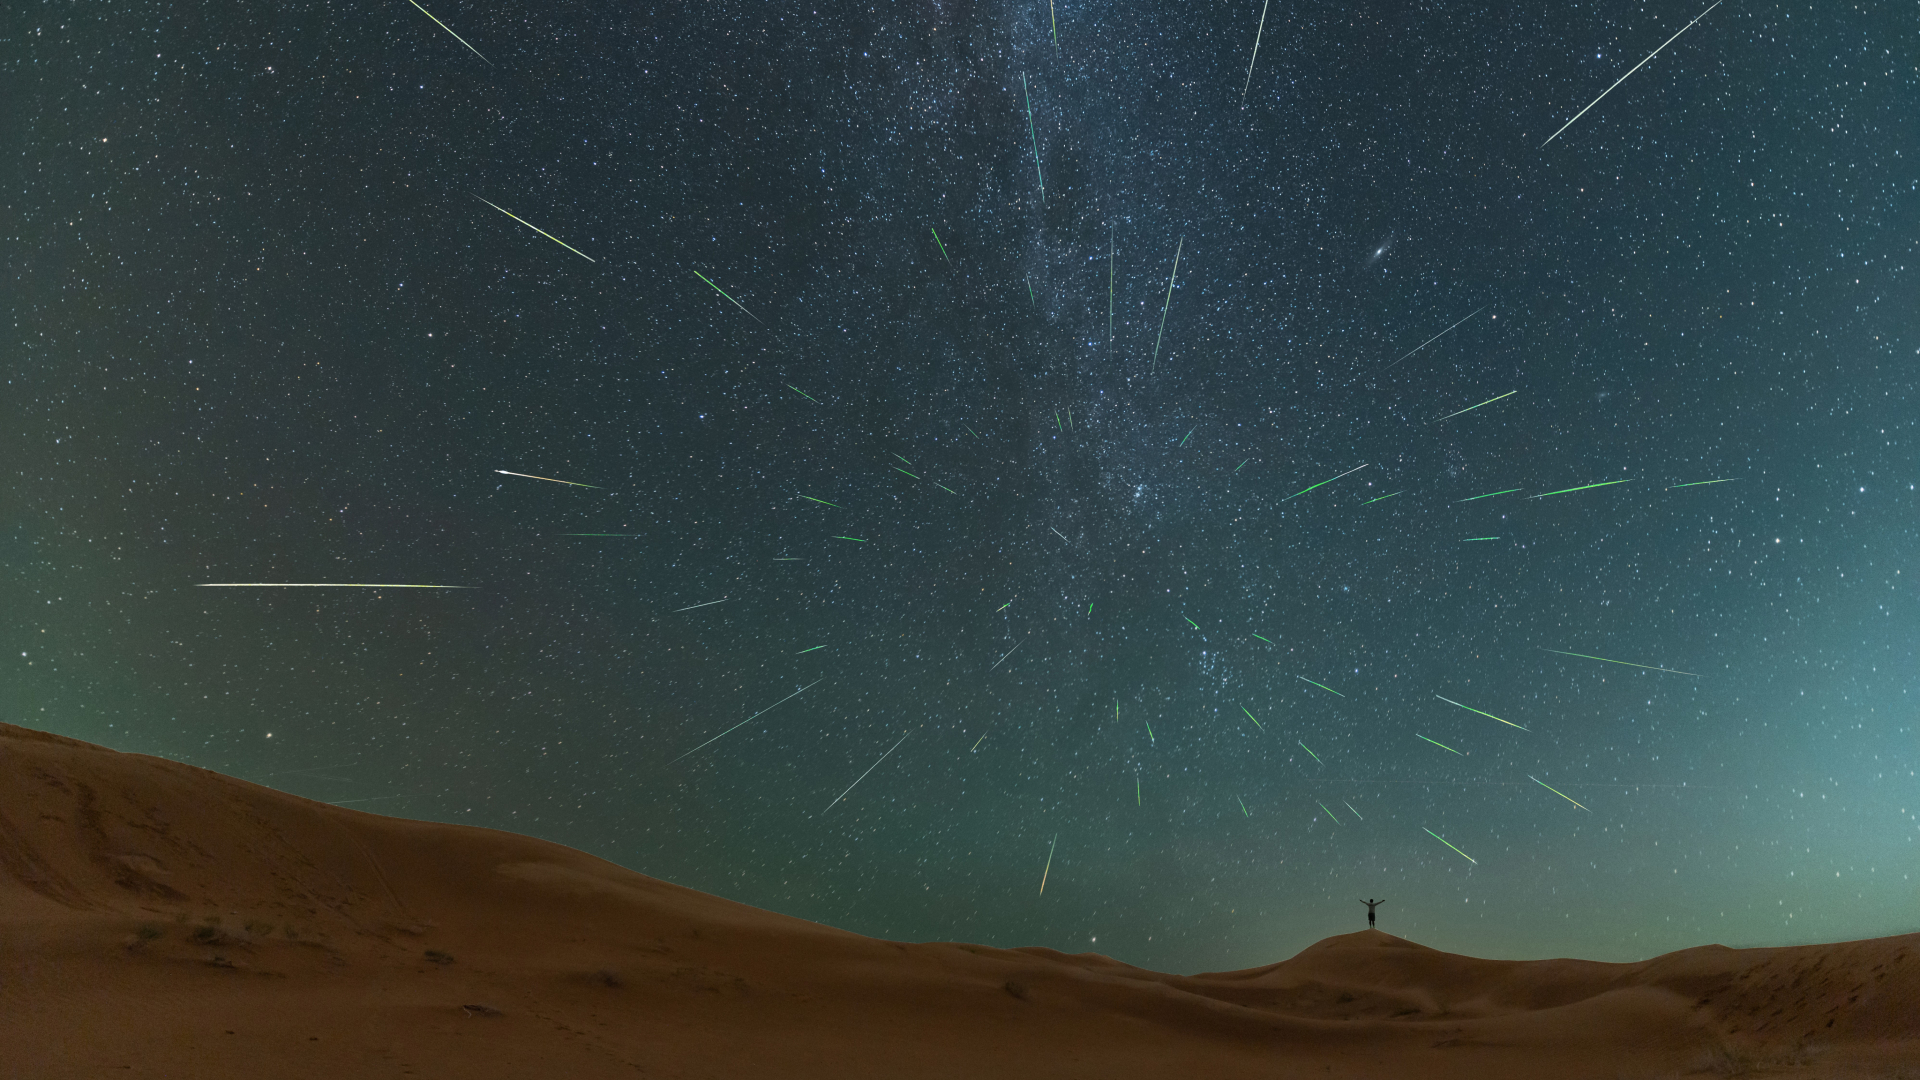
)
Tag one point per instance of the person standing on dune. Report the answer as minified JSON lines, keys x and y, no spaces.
{"x":1371,"y":904}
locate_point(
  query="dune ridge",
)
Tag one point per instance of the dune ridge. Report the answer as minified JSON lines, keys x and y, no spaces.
{"x":162,"y":920}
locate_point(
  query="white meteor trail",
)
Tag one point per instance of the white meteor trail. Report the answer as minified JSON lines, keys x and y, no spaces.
{"x":539,"y":230}
{"x":1256,"y":51}
{"x":870,"y":768}
{"x":1436,"y":337}
{"x":1623,"y":78}
{"x":315,"y":585}
{"x":548,"y":479}
{"x":751,"y":719}
{"x":709,"y":603}
{"x":449,"y":30}
{"x":1010,"y":652}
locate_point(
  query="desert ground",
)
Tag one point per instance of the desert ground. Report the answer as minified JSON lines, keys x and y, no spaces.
{"x":161,"y":920}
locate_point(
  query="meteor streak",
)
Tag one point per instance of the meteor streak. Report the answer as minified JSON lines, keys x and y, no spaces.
{"x":1323,"y":806}
{"x":802,"y":393}
{"x":1322,"y":686}
{"x":750,"y":719}
{"x":1311,"y":754}
{"x":548,"y":479}
{"x":943,"y":247}
{"x":822,"y":502}
{"x":1649,"y":667}
{"x":449,"y":30}
{"x":1111,"y":252}
{"x":1623,"y":78}
{"x":1441,"y":745}
{"x":1255,"y":719}
{"x":1190,"y":431}
{"x":1261,"y":29}
{"x":709,"y":603}
{"x":1370,"y":502}
{"x":803,"y":652}
{"x":1556,"y":791}
{"x":1009,"y":652}
{"x":537,"y":228}
{"x":1470,"y":408}
{"x":855,"y":539}
{"x":944,"y":488}
{"x":316,"y":585}
{"x":1191,"y":623}
{"x":1456,"y":850}
{"x":1328,"y":480}
{"x":897,"y":468}
{"x":1263,"y":639}
{"x":863,"y":776}
{"x":1349,"y":806}
{"x":1036,"y":147}
{"x":1489,"y":495}
{"x":1436,"y":337}
{"x":732,"y":301}
{"x":1242,"y":465}
{"x":599,"y":534}
{"x":1243,"y":805}
{"x":1049,"y":869}
{"x":1582,"y":487}
{"x":1697,"y":483}
{"x":1060,"y":534}
{"x":1169,"y":302}
{"x":1488,"y":715}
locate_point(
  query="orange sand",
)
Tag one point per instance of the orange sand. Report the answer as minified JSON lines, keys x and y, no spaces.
{"x":161,"y":920}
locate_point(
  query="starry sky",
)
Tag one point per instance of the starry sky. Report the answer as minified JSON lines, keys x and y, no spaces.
{"x":974,"y":366}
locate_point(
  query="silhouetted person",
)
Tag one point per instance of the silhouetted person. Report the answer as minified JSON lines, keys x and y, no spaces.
{"x":1371,"y":904}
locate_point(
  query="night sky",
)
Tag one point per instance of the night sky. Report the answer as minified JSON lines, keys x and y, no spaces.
{"x":264,"y":329}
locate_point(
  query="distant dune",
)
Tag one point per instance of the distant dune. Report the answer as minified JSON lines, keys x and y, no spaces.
{"x":161,"y":920}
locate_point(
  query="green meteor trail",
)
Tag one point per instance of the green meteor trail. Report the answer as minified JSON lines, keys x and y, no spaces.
{"x":1189,"y":435}
{"x":977,"y":742}
{"x":1311,"y":754}
{"x":316,"y":585}
{"x":1441,"y":745}
{"x":1031,"y":299}
{"x":1556,"y":791}
{"x":1003,"y":607}
{"x":1456,"y":850}
{"x":1470,"y":408}
{"x":1036,"y":144}
{"x":903,"y":461}
{"x":897,"y":468}
{"x":822,"y":502}
{"x":1323,"y":806}
{"x":1191,"y":623}
{"x":1471,"y":539}
{"x":1322,"y":483}
{"x":449,"y":30}
{"x":802,"y":393}
{"x":1056,"y":24}
{"x":1242,"y":465}
{"x":803,"y":652}
{"x":730,"y":299}
{"x":1582,"y":487}
{"x":548,"y":479}
{"x":1370,"y":502}
{"x":1168,"y":303}
{"x":1488,"y":715}
{"x":1255,"y":719}
{"x":1649,"y":667}
{"x":1136,"y":791}
{"x":1243,"y":805}
{"x":1488,"y":495}
{"x":539,"y":230}
{"x":599,"y":534}
{"x":1150,"y":737}
{"x":1697,"y":483}
{"x":944,"y":488}
{"x":1349,"y":806}
{"x":1322,"y":686}
{"x":943,"y":247}
{"x":856,"y":538}
{"x":1263,"y":639}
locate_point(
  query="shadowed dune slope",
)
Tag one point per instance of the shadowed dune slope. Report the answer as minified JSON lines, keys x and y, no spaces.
{"x":161,"y":920}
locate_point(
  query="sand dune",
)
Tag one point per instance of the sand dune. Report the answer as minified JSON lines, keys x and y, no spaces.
{"x":161,"y":920}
